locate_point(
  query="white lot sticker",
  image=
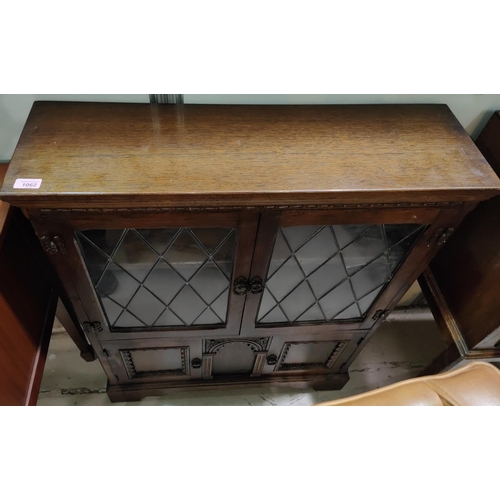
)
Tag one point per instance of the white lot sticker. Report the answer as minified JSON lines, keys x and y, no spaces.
{"x":27,"y":183}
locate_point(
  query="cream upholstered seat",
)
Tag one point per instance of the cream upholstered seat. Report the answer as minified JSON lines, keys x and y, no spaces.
{"x":476,"y":384}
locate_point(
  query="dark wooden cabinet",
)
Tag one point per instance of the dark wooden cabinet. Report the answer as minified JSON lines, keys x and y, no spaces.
{"x":233,"y":245}
{"x":29,"y":298}
{"x":462,"y":281}
{"x":27,"y":307}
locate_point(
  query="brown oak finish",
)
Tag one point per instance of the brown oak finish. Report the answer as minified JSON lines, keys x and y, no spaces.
{"x":254,"y":168}
{"x":71,"y":265}
{"x":411,"y":268}
{"x":27,"y":307}
{"x":136,"y":392}
{"x":461,"y":284}
{"x":29,"y":296}
{"x":196,"y":155}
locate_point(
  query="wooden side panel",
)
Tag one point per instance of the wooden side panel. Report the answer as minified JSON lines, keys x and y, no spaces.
{"x":27,"y":308}
{"x":467,"y":270}
{"x":461,"y":284}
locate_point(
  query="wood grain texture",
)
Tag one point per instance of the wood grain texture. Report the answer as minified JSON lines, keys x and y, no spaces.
{"x":27,"y":308}
{"x":128,"y":155}
{"x":23,"y":341}
{"x":465,"y":274}
{"x":136,"y":392}
{"x":488,"y":142}
{"x":446,"y":321}
{"x":467,"y":270}
{"x":114,"y":165}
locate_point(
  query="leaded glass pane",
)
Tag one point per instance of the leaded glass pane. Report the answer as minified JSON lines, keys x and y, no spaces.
{"x":219,"y":305}
{"x":118,"y":285}
{"x":208,"y":317}
{"x":347,"y":233}
{"x":186,"y":256}
{"x":299,"y":235}
{"x":159,"y":239}
{"x":135,"y":256}
{"x":350,"y":312}
{"x":364,"y":249}
{"x":157,"y":280}
{"x":328,"y":273}
{"x":371,"y":276}
{"x":113,"y":310}
{"x":275,"y":316}
{"x":367,"y":300}
{"x":224,"y":255}
{"x":210,"y":237}
{"x":285,"y":279}
{"x":168,"y":318}
{"x":168,"y":277}
{"x":316,"y":251}
{"x":337,"y":300}
{"x":209,"y":281}
{"x":97,"y":260}
{"x":267,"y":303}
{"x":127,"y":320}
{"x":105,"y":240}
{"x":281,"y":254}
{"x":297,"y":301}
{"x":313,"y":314}
{"x":145,"y":306}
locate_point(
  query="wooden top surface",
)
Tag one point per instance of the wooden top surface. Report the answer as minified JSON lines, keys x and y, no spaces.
{"x":99,"y":155}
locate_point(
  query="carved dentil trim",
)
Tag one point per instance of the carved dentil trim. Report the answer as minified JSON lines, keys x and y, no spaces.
{"x":255,"y":344}
{"x":283,"y":366}
{"x":335,"y":354}
{"x":258,"y":208}
{"x":129,"y":364}
{"x":132,"y":373}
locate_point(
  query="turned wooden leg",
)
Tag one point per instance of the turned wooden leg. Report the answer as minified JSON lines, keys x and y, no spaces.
{"x":70,"y":323}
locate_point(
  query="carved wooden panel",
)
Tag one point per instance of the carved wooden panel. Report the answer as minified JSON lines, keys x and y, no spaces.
{"x":234,"y":356}
{"x":309,"y":355}
{"x":156,"y":362}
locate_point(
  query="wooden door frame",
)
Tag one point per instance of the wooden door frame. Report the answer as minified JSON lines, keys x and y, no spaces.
{"x":73,"y":272}
{"x":437,"y":219}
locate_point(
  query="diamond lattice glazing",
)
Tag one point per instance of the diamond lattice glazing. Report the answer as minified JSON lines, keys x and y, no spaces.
{"x":153,"y":278}
{"x":325,"y":273}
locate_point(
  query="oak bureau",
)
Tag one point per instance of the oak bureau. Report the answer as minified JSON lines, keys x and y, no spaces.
{"x":234,"y":245}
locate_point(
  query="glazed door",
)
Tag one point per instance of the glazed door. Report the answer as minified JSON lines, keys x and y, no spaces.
{"x":158,"y":275}
{"x":325,"y":271}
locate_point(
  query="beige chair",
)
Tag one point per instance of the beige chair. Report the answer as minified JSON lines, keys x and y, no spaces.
{"x":476,"y":384}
